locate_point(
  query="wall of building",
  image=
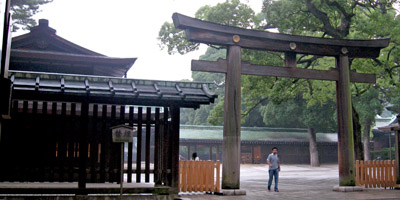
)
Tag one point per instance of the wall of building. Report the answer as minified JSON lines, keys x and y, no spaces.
{"x":290,"y":153}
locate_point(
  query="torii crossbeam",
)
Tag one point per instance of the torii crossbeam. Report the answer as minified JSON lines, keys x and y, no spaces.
{"x":236,"y":38}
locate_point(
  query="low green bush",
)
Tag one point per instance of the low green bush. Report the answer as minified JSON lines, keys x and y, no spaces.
{"x":382,"y":154}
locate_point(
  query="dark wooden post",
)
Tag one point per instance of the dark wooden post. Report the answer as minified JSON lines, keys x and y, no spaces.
{"x":397,"y":153}
{"x":345,"y":122}
{"x":157,"y":148}
{"x":217,"y":153}
{"x":231,"y":139}
{"x":174,"y":142}
{"x":210,"y":151}
{"x":165,"y":148}
{"x":188,"y":153}
{"x":83,"y":146}
{"x":147,"y":146}
{"x":139,"y":146}
{"x":130,"y":146}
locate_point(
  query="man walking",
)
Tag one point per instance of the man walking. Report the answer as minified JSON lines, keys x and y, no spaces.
{"x":274,"y":168}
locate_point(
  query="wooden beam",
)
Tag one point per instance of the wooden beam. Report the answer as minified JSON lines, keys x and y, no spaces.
{"x":165,"y":149}
{"x":147,"y":146}
{"x":212,"y":33}
{"x":290,"y":59}
{"x":397,"y":153}
{"x":174,"y":146}
{"x":287,"y":72}
{"x":139,"y":146}
{"x":345,"y":124}
{"x":83,"y":150}
{"x":232,"y":120}
{"x":130,"y":146}
{"x":157,"y":148}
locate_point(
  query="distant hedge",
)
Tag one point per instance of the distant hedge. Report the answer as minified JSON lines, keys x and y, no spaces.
{"x":382,"y":154}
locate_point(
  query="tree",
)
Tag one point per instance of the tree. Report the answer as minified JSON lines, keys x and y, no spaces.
{"x":368,"y":105}
{"x":351,"y":20}
{"x":22,"y":12}
{"x":342,"y":19}
{"x":231,"y":12}
{"x":295,"y":113}
{"x":202,"y":115}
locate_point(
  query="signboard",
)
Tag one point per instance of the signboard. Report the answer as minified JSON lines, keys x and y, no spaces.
{"x":123,"y":133}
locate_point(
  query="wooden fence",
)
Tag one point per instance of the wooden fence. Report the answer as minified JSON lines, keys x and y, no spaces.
{"x":199,"y":176}
{"x":374,"y":174}
{"x":43,"y":142}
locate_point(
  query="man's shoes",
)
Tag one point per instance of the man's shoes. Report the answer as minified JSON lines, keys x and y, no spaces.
{"x":269,"y":189}
{"x":276,"y":190}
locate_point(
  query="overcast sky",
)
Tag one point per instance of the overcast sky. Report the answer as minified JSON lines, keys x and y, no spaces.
{"x":128,"y":28}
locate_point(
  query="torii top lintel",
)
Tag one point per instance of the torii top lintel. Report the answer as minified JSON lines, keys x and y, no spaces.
{"x":212,"y":33}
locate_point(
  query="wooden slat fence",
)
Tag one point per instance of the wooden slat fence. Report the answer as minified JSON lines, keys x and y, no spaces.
{"x":375,"y":174}
{"x":199,"y":176}
{"x":41,"y":143}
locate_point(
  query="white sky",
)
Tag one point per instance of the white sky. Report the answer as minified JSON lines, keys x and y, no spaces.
{"x":128,"y":28}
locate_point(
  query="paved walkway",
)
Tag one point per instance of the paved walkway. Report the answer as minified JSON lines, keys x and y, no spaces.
{"x":297,"y":182}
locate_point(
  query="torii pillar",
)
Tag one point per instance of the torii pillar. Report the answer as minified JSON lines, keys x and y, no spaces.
{"x":345,"y":122}
{"x":397,"y":148}
{"x":232,"y":119}
{"x":234,"y":39}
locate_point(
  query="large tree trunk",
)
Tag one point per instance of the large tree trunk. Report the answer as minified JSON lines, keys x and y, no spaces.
{"x":314,"y":157}
{"x":358,"y":146}
{"x":367,"y":129}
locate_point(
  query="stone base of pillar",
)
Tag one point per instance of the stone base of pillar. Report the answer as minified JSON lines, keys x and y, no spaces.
{"x":348,"y":188}
{"x":232,"y":192}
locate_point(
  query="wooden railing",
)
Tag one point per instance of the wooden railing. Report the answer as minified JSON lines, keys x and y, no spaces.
{"x":373,"y":174}
{"x":199,"y":176}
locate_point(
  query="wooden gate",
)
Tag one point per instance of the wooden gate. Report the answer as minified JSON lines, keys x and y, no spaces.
{"x":373,"y":174}
{"x":199,"y":176}
{"x":43,"y":142}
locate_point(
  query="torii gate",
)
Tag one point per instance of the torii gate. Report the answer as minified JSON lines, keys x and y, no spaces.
{"x":236,"y":38}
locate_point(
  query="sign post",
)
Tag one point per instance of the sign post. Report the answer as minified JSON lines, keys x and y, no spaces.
{"x":121,"y":134}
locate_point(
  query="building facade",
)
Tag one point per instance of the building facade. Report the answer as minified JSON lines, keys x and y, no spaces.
{"x":256,"y":144}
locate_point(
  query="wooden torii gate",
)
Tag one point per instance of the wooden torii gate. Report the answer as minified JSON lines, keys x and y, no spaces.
{"x":236,"y":38}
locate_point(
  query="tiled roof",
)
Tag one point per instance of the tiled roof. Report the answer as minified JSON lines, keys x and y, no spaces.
{"x":101,"y":89}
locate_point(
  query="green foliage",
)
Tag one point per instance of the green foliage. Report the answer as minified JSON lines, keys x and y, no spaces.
{"x":175,"y":40}
{"x":202,"y":115}
{"x":230,"y":12}
{"x":22,"y":12}
{"x":295,"y":113}
{"x":216,"y":117}
{"x":368,"y":105}
{"x":383,"y":154}
{"x":350,"y":19}
{"x":277,"y":100}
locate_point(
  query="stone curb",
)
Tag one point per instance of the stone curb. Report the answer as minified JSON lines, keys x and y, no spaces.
{"x":234,"y":192}
{"x":348,"y":188}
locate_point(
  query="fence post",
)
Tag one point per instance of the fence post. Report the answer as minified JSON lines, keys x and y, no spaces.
{"x":357,"y":172}
{"x":218,"y":176}
{"x":373,"y":174}
{"x":199,"y":176}
{"x":393,"y":167}
{"x":362,"y":174}
{"x":379,"y":173}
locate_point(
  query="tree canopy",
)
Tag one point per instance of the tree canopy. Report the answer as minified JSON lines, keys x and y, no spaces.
{"x":22,"y":12}
{"x":265,"y":96}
